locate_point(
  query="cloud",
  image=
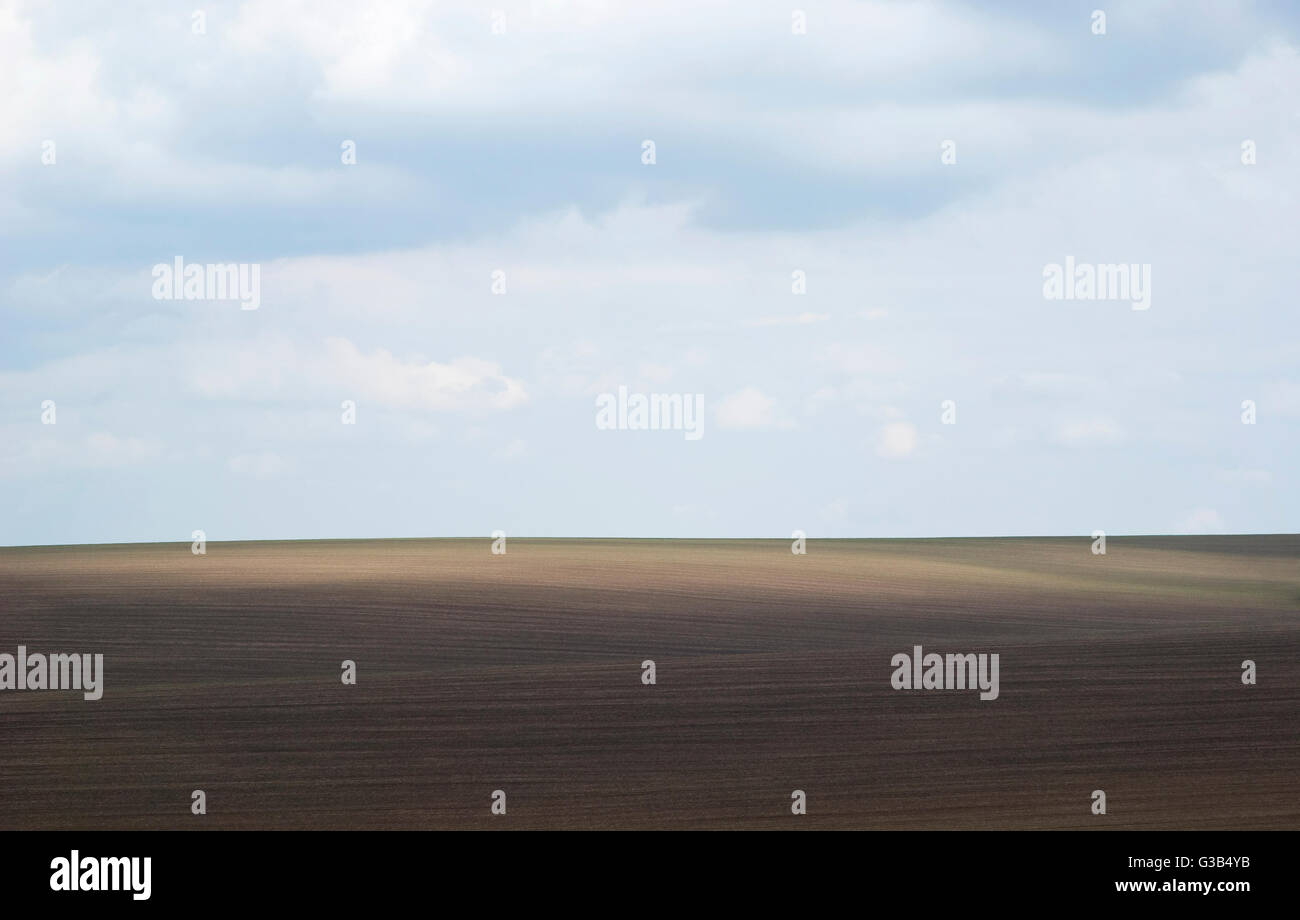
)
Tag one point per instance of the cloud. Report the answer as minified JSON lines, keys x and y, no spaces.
{"x":463,"y":383}
{"x":1090,"y":432}
{"x":862,"y":358}
{"x":1255,"y":477}
{"x":1203,"y":520}
{"x":897,"y":440}
{"x":59,"y":447}
{"x":516,"y":449}
{"x":265,"y":465}
{"x":748,"y":409}
{"x":519,"y":152}
{"x":277,"y":369}
{"x":1281,"y":398}
{"x":835,"y":510}
{"x":428,"y":91}
{"x":656,"y":374}
{"x":105,"y":449}
{"x":801,"y":319}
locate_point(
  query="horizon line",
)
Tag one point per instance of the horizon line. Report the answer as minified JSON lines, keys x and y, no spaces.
{"x":489,"y":538}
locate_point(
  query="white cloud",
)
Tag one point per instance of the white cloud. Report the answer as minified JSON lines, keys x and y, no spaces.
{"x":516,"y":449}
{"x":836,"y":510}
{"x":748,"y":409}
{"x":897,"y":440}
{"x":862,"y":358}
{"x":1281,"y":397}
{"x":1203,"y":520}
{"x":264,"y":465}
{"x":655,"y":374}
{"x":1257,"y":477}
{"x":653,"y":291}
{"x":105,"y":449}
{"x":1089,"y":432}
{"x":462,"y":383}
{"x":424,"y":56}
{"x":801,"y":319}
{"x":277,"y":368}
{"x":34,"y":449}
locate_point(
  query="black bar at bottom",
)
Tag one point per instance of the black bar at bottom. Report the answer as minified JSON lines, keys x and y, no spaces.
{"x":651,"y":871}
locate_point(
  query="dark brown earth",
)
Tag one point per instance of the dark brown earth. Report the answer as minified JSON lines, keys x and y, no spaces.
{"x":522,"y":672}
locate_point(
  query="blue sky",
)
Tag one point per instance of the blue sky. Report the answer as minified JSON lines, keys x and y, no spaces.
{"x":522,"y":152}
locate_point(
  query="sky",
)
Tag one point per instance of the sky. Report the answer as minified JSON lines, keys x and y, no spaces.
{"x":840,"y":246}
